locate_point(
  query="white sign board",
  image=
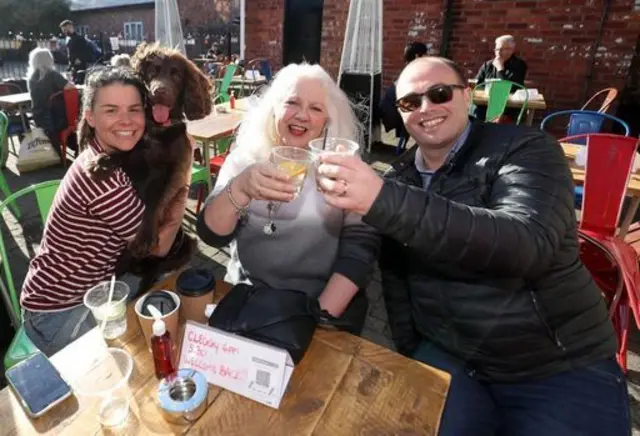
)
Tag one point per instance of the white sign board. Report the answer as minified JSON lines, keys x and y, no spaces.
{"x":249,"y":368}
{"x":115,"y":45}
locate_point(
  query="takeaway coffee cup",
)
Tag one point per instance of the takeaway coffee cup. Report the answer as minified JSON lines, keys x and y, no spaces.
{"x":196,"y":287}
{"x":168,"y":304}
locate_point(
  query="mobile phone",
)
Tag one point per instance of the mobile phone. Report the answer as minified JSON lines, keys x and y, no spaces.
{"x":37,"y":384}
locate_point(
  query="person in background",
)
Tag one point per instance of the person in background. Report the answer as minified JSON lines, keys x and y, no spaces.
{"x":505,"y":65}
{"x":121,"y":60}
{"x":481,"y":269}
{"x":43,"y":81}
{"x":91,"y":222}
{"x":314,"y":248}
{"x":79,"y":52}
{"x":389,"y":115}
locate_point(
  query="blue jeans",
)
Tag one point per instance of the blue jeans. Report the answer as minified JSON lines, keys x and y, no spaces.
{"x":592,"y":400}
{"x":52,"y":331}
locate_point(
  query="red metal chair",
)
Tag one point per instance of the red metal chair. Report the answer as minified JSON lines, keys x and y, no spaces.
{"x":611,"y":261}
{"x":71,"y":98}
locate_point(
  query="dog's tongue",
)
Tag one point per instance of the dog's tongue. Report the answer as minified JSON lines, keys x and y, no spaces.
{"x":160,"y":113}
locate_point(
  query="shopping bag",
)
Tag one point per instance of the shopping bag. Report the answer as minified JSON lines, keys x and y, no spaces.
{"x":36,"y":151}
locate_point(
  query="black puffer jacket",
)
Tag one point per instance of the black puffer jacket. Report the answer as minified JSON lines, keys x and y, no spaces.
{"x":485,"y":263}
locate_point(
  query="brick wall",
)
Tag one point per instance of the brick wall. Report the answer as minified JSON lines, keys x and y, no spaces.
{"x":111,"y":21}
{"x":556,"y":37}
{"x":263,"y":24}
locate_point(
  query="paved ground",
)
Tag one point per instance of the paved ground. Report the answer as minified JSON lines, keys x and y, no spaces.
{"x":22,"y":239}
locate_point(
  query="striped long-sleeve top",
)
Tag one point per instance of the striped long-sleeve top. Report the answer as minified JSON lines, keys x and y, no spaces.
{"x":88,"y":228}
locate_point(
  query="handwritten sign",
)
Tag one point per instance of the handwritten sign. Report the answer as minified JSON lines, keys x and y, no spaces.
{"x":249,"y":368}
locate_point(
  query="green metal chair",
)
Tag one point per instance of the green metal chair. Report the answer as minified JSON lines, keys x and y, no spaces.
{"x":222,"y":91}
{"x":498,"y":95}
{"x":201,"y":173}
{"x":4,"y":186}
{"x":21,"y":347}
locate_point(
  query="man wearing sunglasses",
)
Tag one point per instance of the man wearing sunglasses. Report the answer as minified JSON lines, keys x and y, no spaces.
{"x":481,"y":270}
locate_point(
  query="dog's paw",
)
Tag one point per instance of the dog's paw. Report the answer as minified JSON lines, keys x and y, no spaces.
{"x":141,"y":247}
{"x":101,"y":167}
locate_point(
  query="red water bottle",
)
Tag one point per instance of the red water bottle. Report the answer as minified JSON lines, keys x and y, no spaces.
{"x":161,"y":347}
{"x":232,"y":100}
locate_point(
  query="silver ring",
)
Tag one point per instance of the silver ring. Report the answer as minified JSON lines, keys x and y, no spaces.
{"x":346,"y":188}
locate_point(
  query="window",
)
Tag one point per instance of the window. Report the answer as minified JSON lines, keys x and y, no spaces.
{"x":82,"y":29}
{"x":133,"y":30}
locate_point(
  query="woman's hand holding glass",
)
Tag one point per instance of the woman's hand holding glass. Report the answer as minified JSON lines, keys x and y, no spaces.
{"x":263,"y":181}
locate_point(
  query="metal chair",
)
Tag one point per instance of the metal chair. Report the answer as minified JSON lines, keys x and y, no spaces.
{"x":21,"y":347}
{"x":584,"y":122}
{"x":499,"y":92}
{"x":71,"y":97}
{"x":612,"y":93}
{"x":612,"y":262}
{"x":4,"y":186}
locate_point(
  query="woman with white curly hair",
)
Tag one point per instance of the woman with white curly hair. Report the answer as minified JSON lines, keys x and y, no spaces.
{"x":315,"y":248}
{"x":42,"y":82}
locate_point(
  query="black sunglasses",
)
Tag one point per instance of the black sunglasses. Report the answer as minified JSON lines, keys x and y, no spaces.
{"x":439,"y":94}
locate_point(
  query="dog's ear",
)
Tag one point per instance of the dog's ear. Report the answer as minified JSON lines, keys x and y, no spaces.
{"x":102,"y":166}
{"x":197,"y":94}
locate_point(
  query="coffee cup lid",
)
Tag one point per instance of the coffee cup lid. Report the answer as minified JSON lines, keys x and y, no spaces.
{"x":161,"y":300}
{"x":194,"y":282}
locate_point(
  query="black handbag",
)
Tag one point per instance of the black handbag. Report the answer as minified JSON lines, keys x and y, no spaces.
{"x":283,"y":318}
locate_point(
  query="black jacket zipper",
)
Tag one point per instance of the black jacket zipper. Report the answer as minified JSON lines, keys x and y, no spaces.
{"x":541,"y":315}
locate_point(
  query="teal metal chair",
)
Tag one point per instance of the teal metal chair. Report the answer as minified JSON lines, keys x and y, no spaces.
{"x":498,"y":92}
{"x":4,"y":186}
{"x":21,"y":347}
{"x":222,"y":92}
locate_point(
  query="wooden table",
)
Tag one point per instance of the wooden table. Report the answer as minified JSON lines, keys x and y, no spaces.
{"x":22,"y":103}
{"x":344,"y":386}
{"x":633,"y":188}
{"x":481,"y":98}
{"x":211,"y":128}
{"x":527,"y":83}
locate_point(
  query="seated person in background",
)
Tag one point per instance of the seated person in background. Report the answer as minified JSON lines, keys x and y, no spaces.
{"x":389,"y":115}
{"x":506,"y":66}
{"x":311,"y":247}
{"x":121,"y":60}
{"x":481,"y":269}
{"x":42,"y":82}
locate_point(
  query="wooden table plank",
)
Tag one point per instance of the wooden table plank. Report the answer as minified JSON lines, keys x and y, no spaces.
{"x":389,"y":395}
{"x":480,"y":97}
{"x":306,"y":398}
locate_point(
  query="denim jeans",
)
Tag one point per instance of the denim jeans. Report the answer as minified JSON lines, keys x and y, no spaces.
{"x":592,"y":400}
{"x":52,"y":331}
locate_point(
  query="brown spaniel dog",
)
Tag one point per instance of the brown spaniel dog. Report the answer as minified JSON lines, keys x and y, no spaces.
{"x":160,"y":164}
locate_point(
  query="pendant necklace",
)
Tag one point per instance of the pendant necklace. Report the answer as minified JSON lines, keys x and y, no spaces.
{"x":270,"y":228}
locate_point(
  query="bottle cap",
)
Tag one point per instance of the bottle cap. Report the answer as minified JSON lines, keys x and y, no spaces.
{"x":159,"y":328}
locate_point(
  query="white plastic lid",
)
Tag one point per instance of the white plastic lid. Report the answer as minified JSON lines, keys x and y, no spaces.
{"x":159,"y":328}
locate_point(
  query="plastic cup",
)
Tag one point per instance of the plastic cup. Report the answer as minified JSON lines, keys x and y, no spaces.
{"x":332,"y":145}
{"x":293,"y":161}
{"x":108,"y":380}
{"x":115,"y":311}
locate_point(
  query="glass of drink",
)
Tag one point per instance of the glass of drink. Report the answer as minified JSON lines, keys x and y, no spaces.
{"x":108,"y":381}
{"x":293,"y":161}
{"x":115,"y":311}
{"x":332,"y":145}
